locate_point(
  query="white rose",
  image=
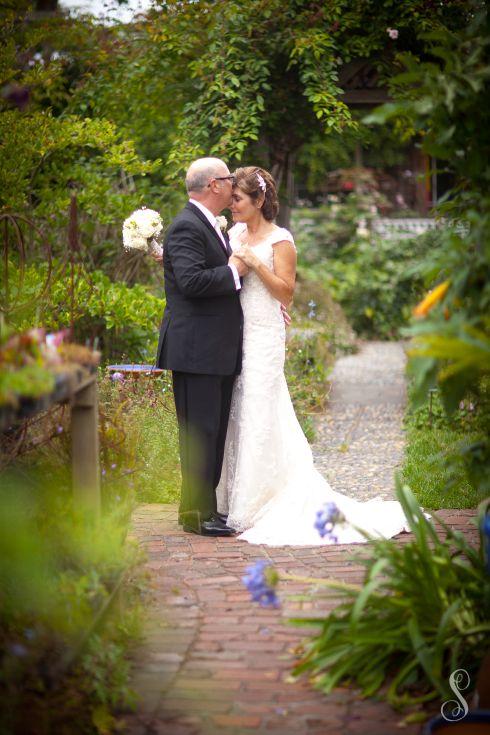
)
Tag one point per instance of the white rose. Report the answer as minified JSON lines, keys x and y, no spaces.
{"x":222,"y":222}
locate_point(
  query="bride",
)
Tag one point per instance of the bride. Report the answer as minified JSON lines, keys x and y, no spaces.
{"x":269,"y":487}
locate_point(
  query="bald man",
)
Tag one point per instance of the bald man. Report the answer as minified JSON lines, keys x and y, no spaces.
{"x":201,"y":339}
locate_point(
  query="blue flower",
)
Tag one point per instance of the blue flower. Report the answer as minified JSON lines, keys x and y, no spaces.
{"x":312,"y":312}
{"x":117,"y":377}
{"x":326,"y":520}
{"x":260,"y":582}
{"x":485,"y":527}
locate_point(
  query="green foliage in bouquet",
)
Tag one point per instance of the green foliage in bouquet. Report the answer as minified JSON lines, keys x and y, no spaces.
{"x":422,"y":612}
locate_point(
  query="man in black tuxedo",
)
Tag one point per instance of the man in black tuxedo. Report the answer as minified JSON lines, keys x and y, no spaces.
{"x":201,"y":338}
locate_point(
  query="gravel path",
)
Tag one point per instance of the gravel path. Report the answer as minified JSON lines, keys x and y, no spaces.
{"x":360,"y":439}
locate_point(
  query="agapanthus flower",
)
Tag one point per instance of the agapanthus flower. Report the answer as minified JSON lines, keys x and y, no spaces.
{"x":260,"y":582}
{"x":485,"y":527}
{"x":117,"y":377}
{"x":327,"y":518}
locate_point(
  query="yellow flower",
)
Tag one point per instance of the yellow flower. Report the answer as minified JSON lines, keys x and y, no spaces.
{"x":432,"y":298}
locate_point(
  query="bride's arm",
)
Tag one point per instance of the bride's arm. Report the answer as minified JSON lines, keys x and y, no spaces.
{"x":280,"y":281}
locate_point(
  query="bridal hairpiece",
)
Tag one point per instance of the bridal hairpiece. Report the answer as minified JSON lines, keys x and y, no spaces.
{"x":261,"y":181}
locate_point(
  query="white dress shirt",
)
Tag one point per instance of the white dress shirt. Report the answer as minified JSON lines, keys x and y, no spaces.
{"x":214,"y":224}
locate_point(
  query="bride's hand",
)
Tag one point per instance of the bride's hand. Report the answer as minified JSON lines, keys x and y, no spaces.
{"x":247,"y":256}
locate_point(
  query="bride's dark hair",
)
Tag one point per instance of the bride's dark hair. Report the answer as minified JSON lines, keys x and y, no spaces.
{"x":252,"y":180}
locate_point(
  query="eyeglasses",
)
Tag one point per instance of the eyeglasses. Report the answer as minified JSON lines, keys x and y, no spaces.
{"x":232,"y":178}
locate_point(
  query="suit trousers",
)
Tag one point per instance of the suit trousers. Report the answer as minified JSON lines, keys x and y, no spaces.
{"x":202,"y":403}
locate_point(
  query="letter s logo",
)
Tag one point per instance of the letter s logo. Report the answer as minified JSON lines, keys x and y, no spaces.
{"x":457,"y":709}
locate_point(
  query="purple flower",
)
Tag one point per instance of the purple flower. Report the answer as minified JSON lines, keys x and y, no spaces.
{"x":392,"y":32}
{"x":117,"y":377}
{"x":59,"y":429}
{"x":18,"y":650}
{"x":113,"y":466}
{"x":326,"y":520}
{"x":17,"y":95}
{"x":260,"y":582}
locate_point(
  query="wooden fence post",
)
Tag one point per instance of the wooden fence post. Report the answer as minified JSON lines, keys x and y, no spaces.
{"x":85,"y":450}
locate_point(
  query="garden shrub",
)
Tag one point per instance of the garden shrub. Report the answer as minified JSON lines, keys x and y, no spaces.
{"x":308,"y":362}
{"x":375,"y":280}
{"x":421,"y":613}
{"x":122,"y":321}
{"x":438,"y":463}
{"x":56,"y":575}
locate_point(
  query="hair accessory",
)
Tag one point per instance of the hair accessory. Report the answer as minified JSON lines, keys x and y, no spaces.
{"x":261,"y":181}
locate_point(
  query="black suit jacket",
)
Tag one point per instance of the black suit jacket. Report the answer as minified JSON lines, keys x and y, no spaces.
{"x":202,"y":325}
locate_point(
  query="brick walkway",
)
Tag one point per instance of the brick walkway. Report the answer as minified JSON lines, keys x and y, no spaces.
{"x":212,"y":661}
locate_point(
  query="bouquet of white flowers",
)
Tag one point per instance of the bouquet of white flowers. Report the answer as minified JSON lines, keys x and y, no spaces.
{"x":141,"y":230}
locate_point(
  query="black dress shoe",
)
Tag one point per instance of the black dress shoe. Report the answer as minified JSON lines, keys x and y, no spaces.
{"x":212,"y":527}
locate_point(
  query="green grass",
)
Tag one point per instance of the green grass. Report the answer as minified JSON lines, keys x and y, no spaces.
{"x":434,"y":466}
{"x":140,"y":452}
{"x":437,"y":481}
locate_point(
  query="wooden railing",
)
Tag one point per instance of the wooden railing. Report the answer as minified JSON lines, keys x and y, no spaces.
{"x":79,"y":390}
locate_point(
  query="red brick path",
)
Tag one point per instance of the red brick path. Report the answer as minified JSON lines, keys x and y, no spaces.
{"x":214,"y":662}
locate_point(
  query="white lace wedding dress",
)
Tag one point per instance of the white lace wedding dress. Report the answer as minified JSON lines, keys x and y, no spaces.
{"x":269,"y":486}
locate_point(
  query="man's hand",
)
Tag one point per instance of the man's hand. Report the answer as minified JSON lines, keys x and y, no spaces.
{"x":285,"y":316}
{"x":242,"y":269}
